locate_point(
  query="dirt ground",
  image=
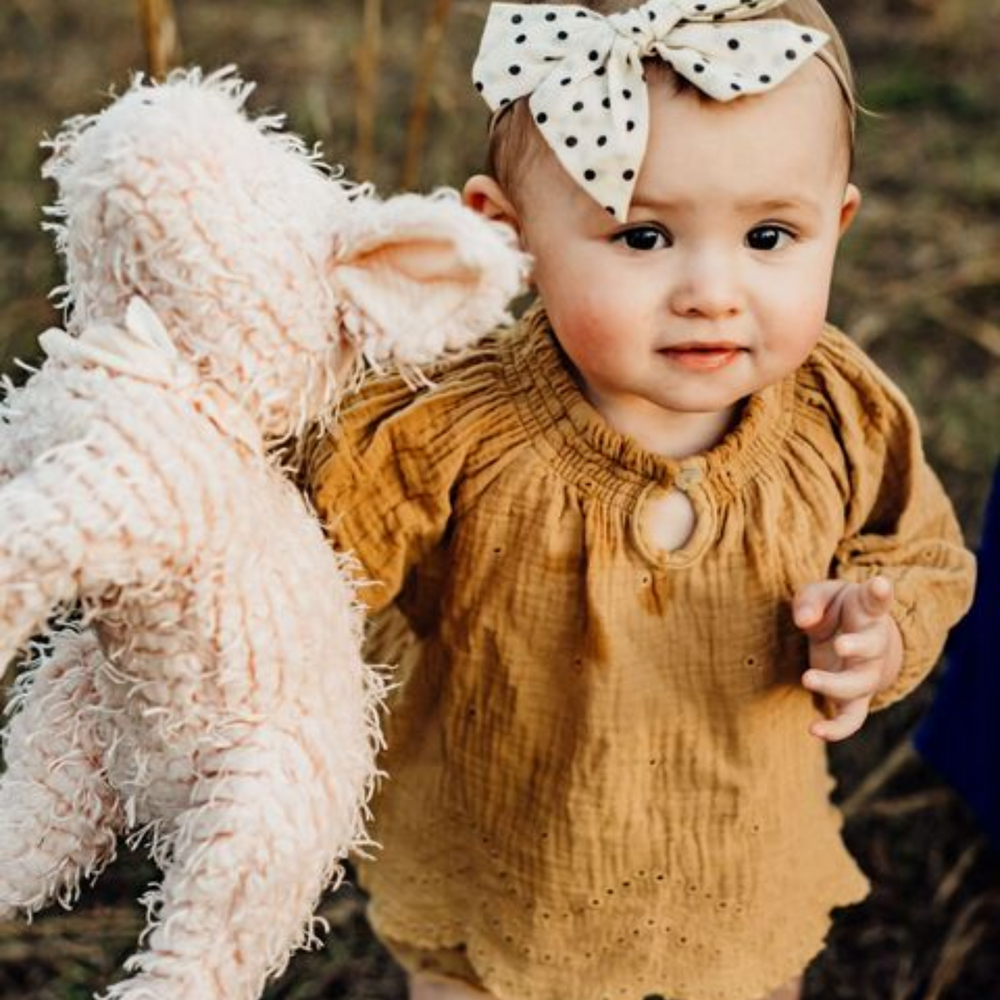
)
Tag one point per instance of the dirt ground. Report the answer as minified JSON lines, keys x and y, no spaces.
{"x":918,"y":284}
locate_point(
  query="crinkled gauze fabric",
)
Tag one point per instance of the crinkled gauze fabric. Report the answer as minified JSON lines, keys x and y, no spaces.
{"x":601,"y":783}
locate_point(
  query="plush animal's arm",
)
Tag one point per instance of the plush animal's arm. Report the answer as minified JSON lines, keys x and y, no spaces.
{"x":76,"y":525}
{"x":98,"y":500}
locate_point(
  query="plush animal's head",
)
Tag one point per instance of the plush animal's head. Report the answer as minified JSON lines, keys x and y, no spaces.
{"x":268,"y":271}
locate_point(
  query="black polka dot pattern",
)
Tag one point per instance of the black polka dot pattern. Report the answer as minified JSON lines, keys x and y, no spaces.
{"x":560,"y":62}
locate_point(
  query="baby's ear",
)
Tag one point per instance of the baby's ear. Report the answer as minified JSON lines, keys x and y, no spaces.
{"x":421,"y":275}
{"x":849,"y":208}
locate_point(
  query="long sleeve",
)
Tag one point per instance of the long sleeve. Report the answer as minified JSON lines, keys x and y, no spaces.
{"x":381,"y":484}
{"x":899,"y":521}
{"x":398,"y":462}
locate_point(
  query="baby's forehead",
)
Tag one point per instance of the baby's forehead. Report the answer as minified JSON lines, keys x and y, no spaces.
{"x":794,"y":138}
{"x":807,"y":107}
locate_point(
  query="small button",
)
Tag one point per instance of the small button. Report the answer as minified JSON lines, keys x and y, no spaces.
{"x":687,"y":477}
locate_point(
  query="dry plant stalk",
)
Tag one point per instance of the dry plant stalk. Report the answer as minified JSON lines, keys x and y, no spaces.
{"x":953,"y":879}
{"x":366,"y":64}
{"x":932,"y":798}
{"x":901,"y":756}
{"x":159,"y":32}
{"x":962,"y":939}
{"x":416,"y":132}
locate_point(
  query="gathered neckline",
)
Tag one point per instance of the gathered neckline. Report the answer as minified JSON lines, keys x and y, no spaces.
{"x":601,"y":460}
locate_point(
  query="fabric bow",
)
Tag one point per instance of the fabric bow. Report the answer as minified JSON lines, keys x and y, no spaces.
{"x":585,"y":76}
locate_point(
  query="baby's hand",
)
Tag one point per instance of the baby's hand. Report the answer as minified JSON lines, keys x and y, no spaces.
{"x":855,"y":649}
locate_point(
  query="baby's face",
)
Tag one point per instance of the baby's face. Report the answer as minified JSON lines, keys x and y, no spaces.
{"x":718,"y":283}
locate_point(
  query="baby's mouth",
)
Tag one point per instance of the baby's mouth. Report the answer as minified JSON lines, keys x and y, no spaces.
{"x":703,"y":355}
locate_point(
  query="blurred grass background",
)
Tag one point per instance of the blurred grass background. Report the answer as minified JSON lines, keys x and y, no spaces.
{"x":918,"y":285}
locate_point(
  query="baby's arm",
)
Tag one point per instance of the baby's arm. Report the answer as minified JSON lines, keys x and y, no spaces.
{"x":900,"y":577}
{"x":381,"y":480}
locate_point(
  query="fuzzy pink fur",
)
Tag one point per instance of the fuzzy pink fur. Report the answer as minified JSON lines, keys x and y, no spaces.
{"x":212,"y":700}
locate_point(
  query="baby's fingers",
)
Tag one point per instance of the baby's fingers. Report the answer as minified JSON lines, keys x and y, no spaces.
{"x":845,"y":685}
{"x":872,"y":600}
{"x":847,"y":722}
{"x":869,"y":644}
{"x":815,"y":609}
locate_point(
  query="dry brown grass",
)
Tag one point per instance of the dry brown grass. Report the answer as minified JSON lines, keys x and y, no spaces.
{"x":918,"y":284}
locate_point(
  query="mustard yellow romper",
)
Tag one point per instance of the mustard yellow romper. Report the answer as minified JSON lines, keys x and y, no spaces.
{"x":600,"y":781}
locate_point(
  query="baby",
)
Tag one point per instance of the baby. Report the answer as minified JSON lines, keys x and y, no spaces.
{"x":656,"y":545}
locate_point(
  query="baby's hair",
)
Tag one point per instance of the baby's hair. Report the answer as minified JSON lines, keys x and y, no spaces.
{"x":513,"y":139}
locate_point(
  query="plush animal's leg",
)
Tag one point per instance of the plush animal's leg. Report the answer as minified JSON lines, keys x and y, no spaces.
{"x":250,"y":859}
{"x":58,"y":816}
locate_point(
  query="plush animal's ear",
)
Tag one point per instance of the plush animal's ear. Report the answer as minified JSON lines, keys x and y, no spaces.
{"x":418,"y":275}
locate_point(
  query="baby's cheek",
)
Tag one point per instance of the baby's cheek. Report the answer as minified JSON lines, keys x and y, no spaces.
{"x":812,"y":292}
{"x":796,"y":320}
{"x":588,"y":338}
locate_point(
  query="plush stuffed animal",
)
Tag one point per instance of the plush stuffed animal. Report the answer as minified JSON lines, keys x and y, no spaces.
{"x":198,"y":680}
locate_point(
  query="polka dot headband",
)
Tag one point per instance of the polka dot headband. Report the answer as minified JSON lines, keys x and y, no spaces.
{"x":584,"y":73}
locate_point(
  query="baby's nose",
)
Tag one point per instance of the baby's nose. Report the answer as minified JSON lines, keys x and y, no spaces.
{"x":708,"y":289}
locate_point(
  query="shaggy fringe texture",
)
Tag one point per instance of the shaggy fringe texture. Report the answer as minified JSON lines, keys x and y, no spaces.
{"x":256,"y":256}
{"x":210,"y":699}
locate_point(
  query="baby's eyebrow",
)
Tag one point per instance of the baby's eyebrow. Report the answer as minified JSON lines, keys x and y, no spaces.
{"x":780,"y":204}
{"x":761,"y":204}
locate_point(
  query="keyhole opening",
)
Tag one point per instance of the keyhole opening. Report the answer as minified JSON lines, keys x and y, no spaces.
{"x":669,"y":520}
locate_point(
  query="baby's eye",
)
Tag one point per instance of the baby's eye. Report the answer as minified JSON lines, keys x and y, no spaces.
{"x":644,"y":238}
{"x":768,"y":238}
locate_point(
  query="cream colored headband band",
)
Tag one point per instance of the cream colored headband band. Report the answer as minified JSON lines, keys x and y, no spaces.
{"x":584,"y":73}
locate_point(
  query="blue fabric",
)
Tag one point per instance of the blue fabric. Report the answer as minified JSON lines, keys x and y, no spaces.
{"x":960,"y":737}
